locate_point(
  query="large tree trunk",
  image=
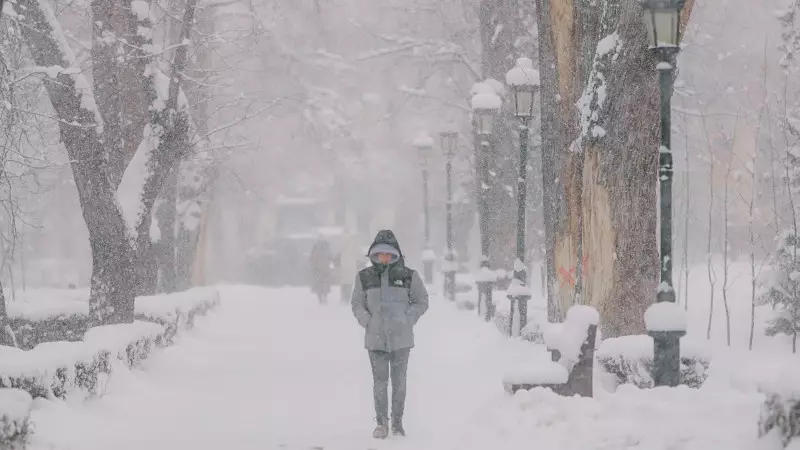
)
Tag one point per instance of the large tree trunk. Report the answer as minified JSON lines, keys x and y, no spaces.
{"x":119,"y":62}
{"x":111,"y":297}
{"x":600,"y":172}
{"x":557,"y":64}
{"x":196,"y":171}
{"x":121,"y":250}
{"x":169,"y":127}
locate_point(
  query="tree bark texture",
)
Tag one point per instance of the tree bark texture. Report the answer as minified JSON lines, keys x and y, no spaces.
{"x":111,"y":297}
{"x":171,"y":125}
{"x":122,"y":264}
{"x":166,"y":216}
{"x":599,"y":172}
{"x":191,"y":202}
{"x":5,"y":338}
{"x":119,"y":62}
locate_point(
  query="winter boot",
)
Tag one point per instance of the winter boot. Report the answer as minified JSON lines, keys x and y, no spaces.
{"x":397,"y":426}
{"x":382,"y":430}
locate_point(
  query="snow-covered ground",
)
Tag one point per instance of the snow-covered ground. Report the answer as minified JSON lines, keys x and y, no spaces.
{"x":271,"y":369}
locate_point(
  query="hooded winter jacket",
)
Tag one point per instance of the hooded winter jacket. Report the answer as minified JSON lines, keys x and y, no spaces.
{"x":388,"y":300}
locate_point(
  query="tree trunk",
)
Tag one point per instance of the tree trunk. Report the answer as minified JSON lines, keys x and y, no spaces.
{"x":111,"y":296}
{"x":189,"y":223}
{"x":196,"y":172}
{"x":166,"y":213}
{"x":119,"y":62}
{"x":6,"y":334}
{"x":726,"y":267}
{"x":599,"y":173}
{"x":170,"y":126}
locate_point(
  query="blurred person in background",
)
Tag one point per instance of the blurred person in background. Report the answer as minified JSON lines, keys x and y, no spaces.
{"x":321,"y":262}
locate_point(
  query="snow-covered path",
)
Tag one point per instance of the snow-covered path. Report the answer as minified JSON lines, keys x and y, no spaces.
{"x":272,"y":370}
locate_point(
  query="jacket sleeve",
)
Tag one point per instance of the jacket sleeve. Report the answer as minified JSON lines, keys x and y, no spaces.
{"x":419,"y":298}
{"x":358,"y":302}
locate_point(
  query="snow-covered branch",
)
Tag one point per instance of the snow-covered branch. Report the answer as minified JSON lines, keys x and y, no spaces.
{"x":69,"y":90}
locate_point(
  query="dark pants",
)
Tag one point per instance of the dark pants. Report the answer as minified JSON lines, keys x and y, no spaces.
{"x":385,"y":364}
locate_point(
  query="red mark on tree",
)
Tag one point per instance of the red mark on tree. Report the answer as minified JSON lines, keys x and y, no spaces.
{"x":568,"y":276}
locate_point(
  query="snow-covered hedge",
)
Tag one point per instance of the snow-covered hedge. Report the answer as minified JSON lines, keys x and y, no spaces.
{"x":29,"y":333}
{"x":67,"y":319}
{"x":176,"y":311}
{"x":502,"y":320}
{"x":779,"y":422}
{"x":53,"y":369}
{"x":15,"y":424}
{"x":780,"y":419}
{"x":630,"y":359}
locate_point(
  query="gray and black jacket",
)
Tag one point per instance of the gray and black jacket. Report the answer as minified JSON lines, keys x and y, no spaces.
{"x":388,"y":301}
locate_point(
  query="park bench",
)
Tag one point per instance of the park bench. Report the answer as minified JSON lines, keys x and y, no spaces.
{"x":571,"y":346}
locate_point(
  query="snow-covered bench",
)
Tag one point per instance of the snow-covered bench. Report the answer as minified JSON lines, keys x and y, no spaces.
{"x":569,"y":369}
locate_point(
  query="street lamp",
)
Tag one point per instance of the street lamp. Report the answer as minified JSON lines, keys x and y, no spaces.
{"x":485,"y":105}
{"x":662,"y":18}
{"x":424,"y":145}
{"x":449,"y":141}
{"x":524,"y":82}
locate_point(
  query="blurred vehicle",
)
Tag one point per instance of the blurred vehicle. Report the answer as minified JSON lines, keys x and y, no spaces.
{"x":283,"y":259}
{"x":282,"y":262}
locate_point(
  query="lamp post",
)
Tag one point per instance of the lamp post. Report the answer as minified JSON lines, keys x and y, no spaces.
{"x":424,"y":145}
{"x":524,"y":83}
{"x":449,"y":141}
{"x":662,"y":19}
{"x":485,"y":104}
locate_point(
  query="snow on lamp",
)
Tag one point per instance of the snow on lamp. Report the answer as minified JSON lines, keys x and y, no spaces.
{"x":481,"y":88}
{"x":499,"y":88}
{"x":524,"y":82}
{"x":424,"y":145}
{"x":662,"y":18}
{"x":485,"y":106}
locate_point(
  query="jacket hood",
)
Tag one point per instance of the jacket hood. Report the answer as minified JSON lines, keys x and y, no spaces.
{"x":386,"y":237}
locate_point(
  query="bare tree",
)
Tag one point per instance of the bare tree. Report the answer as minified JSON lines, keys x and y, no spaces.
{"x":712,"y":276}
{"x":726,"y":248}
{"x":120,"y":153}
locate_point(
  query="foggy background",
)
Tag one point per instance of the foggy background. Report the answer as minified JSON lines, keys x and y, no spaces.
{"x":322,"y":99}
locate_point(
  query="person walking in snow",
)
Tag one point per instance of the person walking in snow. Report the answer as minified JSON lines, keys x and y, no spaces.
{"x":388,"y":299}
{"x":320,"y":261}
